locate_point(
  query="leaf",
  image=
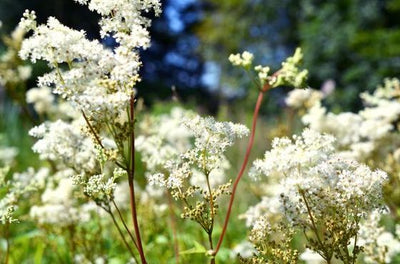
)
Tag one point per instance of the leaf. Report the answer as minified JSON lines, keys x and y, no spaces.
{"x":197,"y":249}
{"x":38,"y":258}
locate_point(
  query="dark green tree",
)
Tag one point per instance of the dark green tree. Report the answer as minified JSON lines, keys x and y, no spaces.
{"x":353,"y":42}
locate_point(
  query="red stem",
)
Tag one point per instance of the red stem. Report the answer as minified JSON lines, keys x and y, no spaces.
{"x":131,"y":176}
{"x":245,"y":161}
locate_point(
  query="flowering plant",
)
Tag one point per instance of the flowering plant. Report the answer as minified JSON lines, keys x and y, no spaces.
{"x":104,"y":159}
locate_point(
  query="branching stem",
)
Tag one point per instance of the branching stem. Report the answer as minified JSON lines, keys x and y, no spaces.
{"x":108,"y":210}
{"x":124,"y":224}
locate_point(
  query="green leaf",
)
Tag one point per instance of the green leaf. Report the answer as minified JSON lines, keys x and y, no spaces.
{"x":39,"y":253}
{"x":197,"y":249}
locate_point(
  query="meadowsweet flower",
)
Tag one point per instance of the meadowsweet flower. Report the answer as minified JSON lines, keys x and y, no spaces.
{"x":245,"y":249}
{"x":47,"y":104}
{"x":7,"y":155}
{"x":245,"y":59}
{"x":322,"y":194}
{"x":287,"y":156}
{"x":98,"y":81}
{"x":13,"y":73}
{"x":57,"y":43}
{"x":58,"y":205}
{"x":42,"y":99}
{"x":305,"y":98}
{"x":17,"y":188}
{"x":28,"y":20}
{"x":211,"y":140}
{"x":163,"y":137}
{"x":268,"y":206}
{"x":379,"y":246}
{"x":290,"y":74}
{"x":127,"y":15}
{"x":100,"y":188}
{"x":262,"y":73}
{"x":272,"y":243}
{"x":196,"y":175}
{"x":345,"y":126}
{"x":371,"y":135}
{"x":64,"y":142}
{"x":311,"y":257}
{"x":362,"y":135}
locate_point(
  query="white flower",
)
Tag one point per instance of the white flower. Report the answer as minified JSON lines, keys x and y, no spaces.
{"x":42,"y":99}
{"x":245,"y":249}
{"x":63,"y":142}
{"x":287,"y":156}
{"x":311,"y":257}
{"x":7,"y":155}
{"x":262,"y":73}
{"x":380,"y":246}
{"x":163,"y":137}
{"x":245,"y":59}
{"x":338,"y":193}
{"x":18,"y":188}
{"x":298,"y":98}
{"x":28,"y":20}
{"x":366,"y":133}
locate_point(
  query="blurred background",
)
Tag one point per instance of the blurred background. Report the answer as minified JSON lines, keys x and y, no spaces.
{"x":350,"y":45}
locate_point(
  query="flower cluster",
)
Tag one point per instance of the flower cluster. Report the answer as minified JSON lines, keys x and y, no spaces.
{"x":323,"y":195}
{"x":245,"y":59}
{"x":95,"y":141}
{"x":303,"y":98}
{"x":7,"y":154}
{"x":64,"y":143}
{"x":206,"y":159}
{"x":273,"y":243}
{"x":58,"y":207}
{"x":17,"y":187}
{"x":362,"y":135}
{"x":98,"y":80}
{"x":195,"y":174}
{"x":379,"y":246}
{"x":13,"y":71}
{"x":163,"y":137}
{"x":123,"y":20}
{"x":288,"y":74}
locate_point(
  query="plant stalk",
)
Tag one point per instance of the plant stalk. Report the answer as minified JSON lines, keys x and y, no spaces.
{"x":131,"y":176}
{"x":244,"y":164}
{"x":121,"y":234}
{"x":124,"y":224}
